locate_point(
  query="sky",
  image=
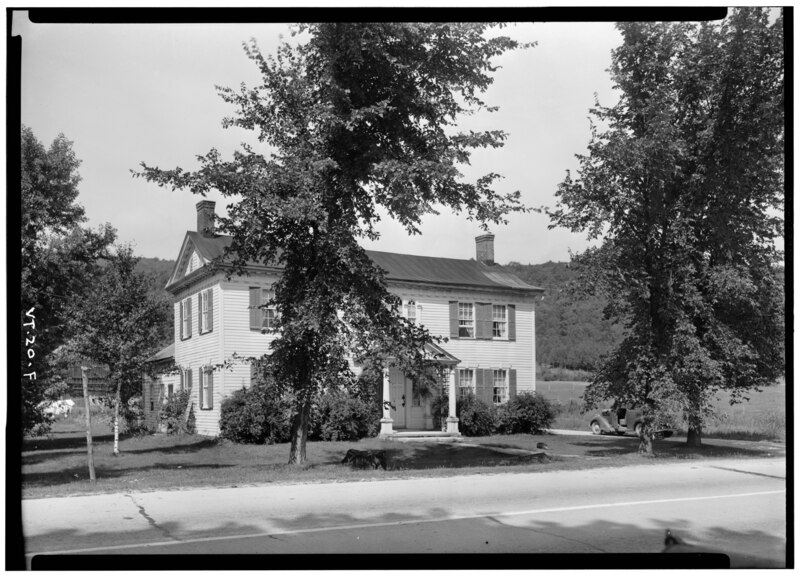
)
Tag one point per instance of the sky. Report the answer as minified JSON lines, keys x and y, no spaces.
{"x":131,"y":93}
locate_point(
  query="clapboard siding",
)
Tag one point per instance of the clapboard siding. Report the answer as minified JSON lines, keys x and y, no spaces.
{"x":202,"y":350}
{"x":433,"y":311}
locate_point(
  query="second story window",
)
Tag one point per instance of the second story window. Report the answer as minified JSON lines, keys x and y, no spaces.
{"x":411,"y":311}
{"x":206,"y":300}
{"x":270,"y":313}
{"x":499,"y":322}
{"x":186,"y":318}
{"x":263,"y":315}
{"x":466,"y":320}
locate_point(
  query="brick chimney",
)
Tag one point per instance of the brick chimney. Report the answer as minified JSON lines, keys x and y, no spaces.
{"x":205,"y":218}
{"x":484,"y":249}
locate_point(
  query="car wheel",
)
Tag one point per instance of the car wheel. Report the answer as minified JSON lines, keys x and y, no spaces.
{"x":637,"y":429}
{"x":596,"y":429}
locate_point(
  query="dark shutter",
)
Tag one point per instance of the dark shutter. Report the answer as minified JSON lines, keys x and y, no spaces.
{"x":512,"y":383}
{"x":253,"y":373}
{"x":483,"y":385}
{"x":189,"y":379}
{"x":180,"y":306}
{"x":200,"y":313}
{"x":189,"y":313}
{"x":183,"y":381}
{"x":210,"y":326}
{"x":255,"y":311}
{"x":210,"y":376}
{"x":512,"y":322}
{"x":200,"y":387}
{"x":454,"y":319}
{"x":483,"y":321}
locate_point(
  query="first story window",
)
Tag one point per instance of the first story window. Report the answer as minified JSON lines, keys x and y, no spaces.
{"x":466,"y":320}
{"x":207,"y":388}
{"x":499,"y":386}
{"x":466,"y":382}
{"x":170,"y":390}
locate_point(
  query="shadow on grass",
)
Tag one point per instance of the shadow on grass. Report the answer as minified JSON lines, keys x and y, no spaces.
{"x":80,"y":474}
{"x":74,"y":441}
{"x":456,"y":456}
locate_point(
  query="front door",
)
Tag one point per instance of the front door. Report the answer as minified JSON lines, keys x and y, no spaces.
{"x":399,"y":398}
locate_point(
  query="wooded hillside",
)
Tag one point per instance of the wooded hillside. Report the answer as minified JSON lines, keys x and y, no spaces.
{"x":570,"y":330}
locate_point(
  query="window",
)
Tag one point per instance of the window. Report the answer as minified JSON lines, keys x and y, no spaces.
{"x":411,"y":311}
{"x":186,"y":318}
{"x":269,"y":313}
{"x":466,"y":382}
{"x":499,"y":386}
{"x":170,"y":390}
{"x":499,"y":322}
{"x":206,"y":299}
{"x":152,"y":394}
{"x":466,"y":321}
{"x":206,"y":388}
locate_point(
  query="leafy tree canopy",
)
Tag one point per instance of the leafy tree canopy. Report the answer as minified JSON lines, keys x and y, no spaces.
{"x":359,"y":116}
{"x":683,"y":182}
{"x":59,"y":259}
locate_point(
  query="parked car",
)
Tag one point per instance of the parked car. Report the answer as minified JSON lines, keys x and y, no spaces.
{"x":622,"y":420}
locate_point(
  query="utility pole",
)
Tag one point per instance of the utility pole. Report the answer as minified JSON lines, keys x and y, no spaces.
{"x":85,"y":378}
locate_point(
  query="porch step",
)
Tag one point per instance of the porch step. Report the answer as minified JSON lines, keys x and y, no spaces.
{"x":437,"y":436}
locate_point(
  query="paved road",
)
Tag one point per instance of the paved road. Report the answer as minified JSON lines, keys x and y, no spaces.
{"x":730,"y":504}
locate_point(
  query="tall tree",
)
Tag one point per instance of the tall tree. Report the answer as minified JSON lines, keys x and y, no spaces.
{"x":360,"y":116}
{"x":119,"y":323}
{"x":59,"y":259}
{"x":683,"y":183}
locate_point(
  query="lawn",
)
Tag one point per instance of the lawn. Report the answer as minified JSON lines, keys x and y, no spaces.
{"x":763,"y":417}
{"x":56,"y":465}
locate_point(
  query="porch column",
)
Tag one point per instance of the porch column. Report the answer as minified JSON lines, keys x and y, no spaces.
{"x":452,"y":420}
{"x":386,"y":420}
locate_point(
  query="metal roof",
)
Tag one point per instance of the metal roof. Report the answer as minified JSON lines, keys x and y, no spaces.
{"x":405,"y":267}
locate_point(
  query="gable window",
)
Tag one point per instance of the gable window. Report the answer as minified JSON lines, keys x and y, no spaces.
{"x":466,"y":382}
{"x":466,"y":320}
{"x":206,"y":388}
{"x":499,"y":322}
{"x":186,"y":318}
{"x":499,"y":386}
{"x":206,"y":305}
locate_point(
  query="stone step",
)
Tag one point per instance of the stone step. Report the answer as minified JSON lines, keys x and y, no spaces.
{"x":440,"y":436}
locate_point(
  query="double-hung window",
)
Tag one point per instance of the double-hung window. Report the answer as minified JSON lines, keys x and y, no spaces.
{"x":411,"y":311}
{"x":207,"y":388}
{"x":263,"y":315}
{"x":186,"y":318}
{"x":499,"y":386}
{"x":270,"y":314}
{"x":466,"y":382}
{"x":499,"y":322}
{"x":206,"y":300}
{"x":466,"y":320}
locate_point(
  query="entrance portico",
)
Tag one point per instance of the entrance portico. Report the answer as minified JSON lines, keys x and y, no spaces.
{"x":407,"y":415}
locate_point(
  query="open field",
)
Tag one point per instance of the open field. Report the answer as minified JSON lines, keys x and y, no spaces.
{"x":763,"y":417}
{"x":56,"y":465}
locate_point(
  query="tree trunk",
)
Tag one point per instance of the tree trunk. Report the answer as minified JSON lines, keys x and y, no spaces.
{"x":116,"y":422}
{"x":694,"y":436}
{"x":85,"y":379}
{"x":300,"y":420}
{"x":646,"y":443}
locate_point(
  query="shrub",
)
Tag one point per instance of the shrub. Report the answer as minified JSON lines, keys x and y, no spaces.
{"x":173,"y":413}
{"x":255,"y":415}
{"x":439,"y":410}
{"x":475,"y":418}
{"x":525,"y":413}
{"x":341,"y":417}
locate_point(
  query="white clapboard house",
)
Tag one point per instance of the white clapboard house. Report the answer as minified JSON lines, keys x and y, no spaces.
{"x":486,"y":313}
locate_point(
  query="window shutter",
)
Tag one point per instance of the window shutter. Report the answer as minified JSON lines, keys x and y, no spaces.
{"x":189,"y":312}
{"x":180,"y":306}
{"x":483,"y":321}
{"x":210,"y":326}
{"x":512,"y":383}
{"x":255,"y":311}
{"x":483,"y":385}
{"x":454,"y":319}
{"x":253,"y":373}
{"x":512,"y":322}
{"x":183,"y":380}
{"x":189,"y":379}
{"x":210,"y":376}
{"x":200,"y":312}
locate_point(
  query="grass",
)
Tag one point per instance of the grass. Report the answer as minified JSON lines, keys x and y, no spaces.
{"x":763,"y":417}
{"x":55,"y":465}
